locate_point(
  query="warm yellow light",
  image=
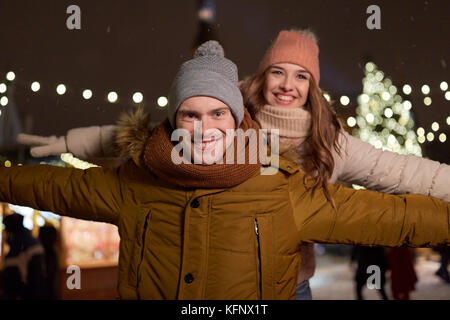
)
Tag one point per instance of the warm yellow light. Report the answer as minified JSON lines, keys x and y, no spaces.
{"x":138,"y":97}
{"x":87,"y":94}
{"x":427,"y":101}
{"x":162,"y":101}
{"x":420,"y":131}
{"x":442,"y":137}
{"x":388,"y":112}
{"x":112,"y":97}
{"x":407,"y":89}
{"x":351,"y":121}
{"x":435,"y":126}
{"x":3,"y":101}
{"x":345,"y":100}
{"x":10,"y":76}
{"x":35,"y":86}
{"x":61,"y":89}
{"x":425,"y":89}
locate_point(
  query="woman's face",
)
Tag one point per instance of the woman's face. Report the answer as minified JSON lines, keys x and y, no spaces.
{"x":286,"y":85}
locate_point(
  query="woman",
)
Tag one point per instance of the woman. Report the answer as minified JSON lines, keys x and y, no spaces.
{"x":285,"y":95}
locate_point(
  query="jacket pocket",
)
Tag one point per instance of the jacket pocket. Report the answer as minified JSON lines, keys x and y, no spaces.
{"x":264,"y":256}
{"x":138,"y":251}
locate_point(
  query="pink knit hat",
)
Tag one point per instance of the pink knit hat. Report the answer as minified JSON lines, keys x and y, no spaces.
{"x":292,"y":47}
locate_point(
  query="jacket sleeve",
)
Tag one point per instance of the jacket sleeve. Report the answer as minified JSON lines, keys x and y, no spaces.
{"x":92,"y":142}
{"x":92,"y":194}
{"x":365,"y":217}
{"x":384,"y":171}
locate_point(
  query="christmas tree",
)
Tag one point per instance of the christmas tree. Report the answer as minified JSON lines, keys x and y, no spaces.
{"x":383,"y":118}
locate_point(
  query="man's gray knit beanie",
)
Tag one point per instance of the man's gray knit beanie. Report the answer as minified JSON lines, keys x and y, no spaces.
{"x":208,"y":74}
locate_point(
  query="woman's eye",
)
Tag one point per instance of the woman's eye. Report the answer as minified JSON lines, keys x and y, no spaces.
{"x":276,"y":72}
{"x":301,"y":76}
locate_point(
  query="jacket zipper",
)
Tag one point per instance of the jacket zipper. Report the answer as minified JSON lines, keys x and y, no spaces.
{"x":259,"y":258}
{"x":143,"y":247}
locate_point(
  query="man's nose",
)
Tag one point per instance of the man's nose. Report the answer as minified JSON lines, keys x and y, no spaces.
{"x":203,"y":124}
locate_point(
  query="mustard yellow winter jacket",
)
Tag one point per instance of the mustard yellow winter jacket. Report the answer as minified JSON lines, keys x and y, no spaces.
{"x":236,"y":243}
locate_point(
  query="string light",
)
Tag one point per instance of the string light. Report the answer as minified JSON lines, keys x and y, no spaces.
{"x":3,"y":101}
{"x":425,"y":89}
{"x":61,"y":89}
{"x":430,"y":136}
{"x":427,"y":101}
{"x":162,"y":101}
{"x":443,"y":86}
{"x":10,"y":76}
{"x":138,"y":97}
{"x":447,"y":95}
{"x":442,"y":137}
{"x":351,"y":121}
{"x":2,"y":88}
{"x":344,"y":100}
{"x":407,"y":89}
{"x":420,"y":131}
{"x":87,"y":94}
{"x":421,"y":139}
{"x":435,"y":126}
{"x":327,"y":97}
{"x":407,"y":105}
{"x":35,"y":86}
{"x":112,"y":97}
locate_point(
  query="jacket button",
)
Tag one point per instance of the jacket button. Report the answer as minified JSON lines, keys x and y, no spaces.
{"x":195,"y":203}
{"x":188,"y":278}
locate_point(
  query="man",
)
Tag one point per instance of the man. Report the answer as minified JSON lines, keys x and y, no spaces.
{"x":216,"y":231}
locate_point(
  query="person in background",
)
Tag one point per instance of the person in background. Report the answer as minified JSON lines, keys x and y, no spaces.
{"x":23,"y":265}
{"x":442,"y":272}
{"x":403,"y":275}
{"x":48,"y":236}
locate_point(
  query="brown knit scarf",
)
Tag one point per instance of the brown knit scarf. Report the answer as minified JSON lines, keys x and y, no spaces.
{"x":157,"y":158}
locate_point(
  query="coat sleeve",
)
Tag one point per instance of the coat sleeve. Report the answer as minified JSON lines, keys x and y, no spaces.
{"x":364,"y":217}
{"x":384,"y":171}
{"x":92,"y":142}
{"x":92,"y":194}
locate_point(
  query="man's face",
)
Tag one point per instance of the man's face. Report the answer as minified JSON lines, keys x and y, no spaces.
{"x":215,"y":117}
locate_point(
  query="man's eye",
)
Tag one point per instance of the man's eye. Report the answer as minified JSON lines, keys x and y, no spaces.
{"x":218,"y":114}
{"x":190,"y":115}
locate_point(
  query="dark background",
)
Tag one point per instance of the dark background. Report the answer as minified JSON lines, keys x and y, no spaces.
{"x":129,"y":46}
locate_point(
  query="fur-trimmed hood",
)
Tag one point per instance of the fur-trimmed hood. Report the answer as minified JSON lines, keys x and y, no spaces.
{"x":133,"y":130}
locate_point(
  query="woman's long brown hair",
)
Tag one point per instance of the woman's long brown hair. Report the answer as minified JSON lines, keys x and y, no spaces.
{"x":318,"y":161}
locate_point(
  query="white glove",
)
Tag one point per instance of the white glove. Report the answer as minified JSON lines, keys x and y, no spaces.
{"x":43,"y":146}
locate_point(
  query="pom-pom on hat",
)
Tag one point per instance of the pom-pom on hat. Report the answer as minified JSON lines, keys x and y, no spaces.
{"x":293,"y":47}
{"x":208,"y":74}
